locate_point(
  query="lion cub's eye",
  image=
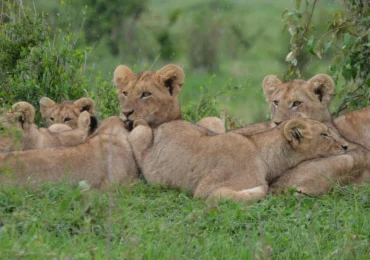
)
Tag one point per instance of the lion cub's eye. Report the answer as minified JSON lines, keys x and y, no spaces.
{"x":296,"y":103}
{"x":324,"y":134}
{"x":146,"y":94}
{"x":276,"y":102}
{"x":124,"y":93}
{"x":66,"y":119}
{"x":51,"y":118}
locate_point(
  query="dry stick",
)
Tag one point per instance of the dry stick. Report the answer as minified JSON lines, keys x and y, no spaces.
{"x":305,"y":30}
{"x":155,"y":61}
{"x":309,"y":19}
{"x":249,"y":241}
{"x":110,"y":203}
{"x":264,"y":247}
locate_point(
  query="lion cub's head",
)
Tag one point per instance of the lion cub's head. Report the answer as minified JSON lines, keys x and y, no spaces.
{"x":312,"y":137}
{"x":307,"y":99}
{"x":13,"y":124}
{"x":19,"y":132}
{"x":150,"y":95}
{"x":66,"y":112}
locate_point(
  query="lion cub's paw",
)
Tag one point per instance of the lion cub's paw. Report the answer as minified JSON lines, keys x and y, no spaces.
{"x":140,"y":122}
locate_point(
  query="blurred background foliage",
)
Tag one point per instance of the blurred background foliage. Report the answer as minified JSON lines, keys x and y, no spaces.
{"x":66,"y":49}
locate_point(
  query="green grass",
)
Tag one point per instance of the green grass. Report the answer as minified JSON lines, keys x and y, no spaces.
{"x":151,"y":222}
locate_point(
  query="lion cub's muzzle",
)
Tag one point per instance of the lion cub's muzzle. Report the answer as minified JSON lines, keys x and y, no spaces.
{"x":125,"y":117}
{"x":342,"y":148}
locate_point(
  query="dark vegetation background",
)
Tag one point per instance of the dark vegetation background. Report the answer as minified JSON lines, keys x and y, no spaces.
{"x":66,"y":49}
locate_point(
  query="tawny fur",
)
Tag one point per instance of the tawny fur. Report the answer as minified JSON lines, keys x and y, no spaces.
{"x":24,"y":134}
{"x":150,"y":95}
{"x":66,"y":112}
{"x":104,"y":158}
{"x":214,"y":124}
{"x":227,"y":166}
{"x":318,"y":176}
{"x":314,"y":96}
{"x":89,"y":161}
{"x":161,"y":105}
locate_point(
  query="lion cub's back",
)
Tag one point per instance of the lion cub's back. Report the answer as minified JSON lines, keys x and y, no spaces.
{"x":183,"y":153}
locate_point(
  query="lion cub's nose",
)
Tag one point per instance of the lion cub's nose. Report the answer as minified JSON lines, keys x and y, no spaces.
{"x":277,"y":122}
{"x":345,"y":146}
{"x":127,"y":114}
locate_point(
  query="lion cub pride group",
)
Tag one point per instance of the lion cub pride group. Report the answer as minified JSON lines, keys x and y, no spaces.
{"x":300,"y":146}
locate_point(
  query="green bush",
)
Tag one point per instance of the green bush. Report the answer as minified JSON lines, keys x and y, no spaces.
{"x":34,"y":62}
{"x":346,"y":40}
{"x":208,"y":103}
{"x":105,"y":96}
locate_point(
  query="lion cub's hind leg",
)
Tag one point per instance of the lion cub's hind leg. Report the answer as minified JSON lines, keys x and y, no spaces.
{"x":247,"y":195}
{"x":212,"y":123}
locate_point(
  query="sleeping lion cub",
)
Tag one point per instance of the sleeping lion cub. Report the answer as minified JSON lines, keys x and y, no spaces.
{"x":310,"y":99}
{"x":19,"y":132}
{"x":227,"y":166}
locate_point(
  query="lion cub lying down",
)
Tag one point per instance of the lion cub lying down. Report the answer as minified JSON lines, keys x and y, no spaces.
{"x":20,"y":132}
{"x":104,"y":157}
{"x":228,"y":166}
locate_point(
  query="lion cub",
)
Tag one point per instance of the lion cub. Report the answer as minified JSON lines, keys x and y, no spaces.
{"x":20,"y":133}
{"x":66,"y":112}
{"x":227,"y":166}
{"x":105,"y":157}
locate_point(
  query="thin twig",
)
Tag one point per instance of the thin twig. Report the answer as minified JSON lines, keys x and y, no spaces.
{"x":337,"y":28}
{"x":305,"y":30}
{"x":155,"y":61}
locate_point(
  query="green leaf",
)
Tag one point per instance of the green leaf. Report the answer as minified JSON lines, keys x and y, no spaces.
{"x":310,"y":46}
{"x":284,"y":13}
{"x":347,"y":39}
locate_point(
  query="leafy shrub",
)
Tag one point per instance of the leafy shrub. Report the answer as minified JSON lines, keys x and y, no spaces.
{"x":346,"y":38}
{"x":208,"y":105}
{"x":105,"y":96}
{"x":114,"y":19}
{"x":35,"y":63}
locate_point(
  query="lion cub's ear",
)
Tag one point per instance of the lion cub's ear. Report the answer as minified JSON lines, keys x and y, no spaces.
{"x":121,"y":75}
{"x":46,"y":105}
{"x":24,"y":113}
{"x":269,"y":85}
{"x":296,"y":130}
{"x":172,"y":77}
{"x":323,"y":86}
{"x":85,"y":104}
{"x":84,"y":121}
